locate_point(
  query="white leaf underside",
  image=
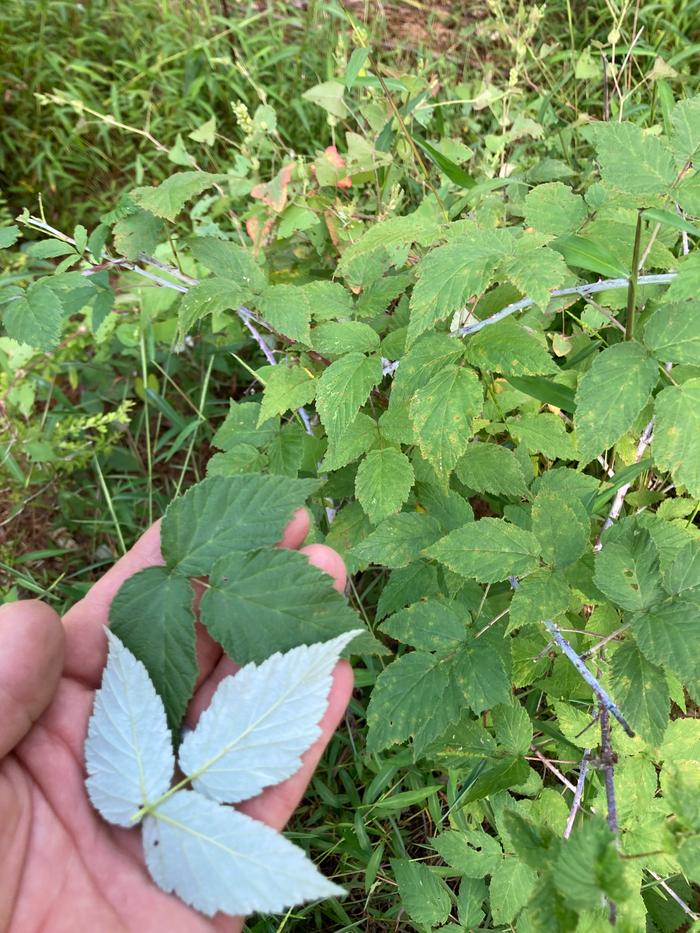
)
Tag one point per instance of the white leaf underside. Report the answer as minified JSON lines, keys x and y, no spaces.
{"x":128,"y":752}
{"x":217,"y":859}
{"x":260,"y":722}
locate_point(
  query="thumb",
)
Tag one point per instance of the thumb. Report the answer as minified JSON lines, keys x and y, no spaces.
{"x":31,"y":662}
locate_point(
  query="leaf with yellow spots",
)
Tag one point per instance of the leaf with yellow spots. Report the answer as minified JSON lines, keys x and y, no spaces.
{"x":442,"y":413}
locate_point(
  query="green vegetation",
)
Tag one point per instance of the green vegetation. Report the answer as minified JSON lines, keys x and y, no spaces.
{"x":264,"y":241}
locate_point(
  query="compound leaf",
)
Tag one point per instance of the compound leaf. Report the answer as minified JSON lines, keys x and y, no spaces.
{"x":271,"y":600}
{"x":128,"y":751}
{"x":427,"y":626}
{"x":260,"y":722}
{"x":224,"y":514}
{"x":553,"y":208}
{"x":288,"y":310}
{"x":666,"y":635}
{"x":562,"y":527}
{"x":286,"y":387}
{"x":512,"y":884}
{"x":627,"y":567}
{"x":211,"y":296}
{"x":152,"y":615}
{"x":217,"y":859}
{"x":491,"y":468}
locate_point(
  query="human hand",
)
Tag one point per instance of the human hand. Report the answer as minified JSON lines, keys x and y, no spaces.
{"x":61,"y":866}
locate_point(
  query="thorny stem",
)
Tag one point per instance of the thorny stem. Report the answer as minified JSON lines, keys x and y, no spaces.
{"x":589,"y":288}
{"x":608,"y":761}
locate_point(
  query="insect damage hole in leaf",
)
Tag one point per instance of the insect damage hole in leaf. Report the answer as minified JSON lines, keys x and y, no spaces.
{"x":260,"y":722}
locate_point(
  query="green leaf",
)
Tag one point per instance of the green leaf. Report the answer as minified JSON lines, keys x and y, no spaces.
{"x":383,"y":482}
{"x":220,"y":515}
{"x":329,"y":96}
{"x":427,"y":626}
{"x":687,"y":194}
{"x":491,"y":468}
{"x":541,"y":595}
{"x":139,"y":232}
{"x":449,"y":168}
{"x":239,"y":427}
{"x":286,"y":387}
{"x":685,"y":138}
{"x":343,"y":388}
{"x":406,"y":585}
{"x":562,"y":527}
{"x":288,"y":310}
{"x":512,"y":349}
{"x":471,"y":895}
{"x":684,"y":572}
{"x":611,"y":395}
{"x":545,"y":390}
{"x":287,"y":449}
{"x":243,"y":458}
{"x":676,"y":442}
{"x":513,"y":728}
{"x":355,"y":440}
{"x":588,"y":866}
{"x":205,"y":133}
{"x":512,"y":884}
{"x":472,"y":853}
{"x":687,"y":281}
{"x":584,"y":253}
{"x":489,"y":550}
{"x":329,"y":300}
{"x":627,"y":567}
{"x":212,"y":296}
{"x":449,"y":275}
{"x":152,"y":616}
{"x":543,"y":433}
{"x":535,"y":271}
{"x":479,"y":673}
{"x":426,"y":358}
{"x":396,"y":231}
{"x":442,"y":412}
{"x":229,"y":261}
{"x":170,"y":196}
{"x":488,"y":778}
{"x":404,"y":690}
{"x":666,"y":633}
{"x":554,"y":209}
{"x":672,"y":333}
{"x":355,"y":65}
{"x":398,"y":540}
{"x":338,"y":337}
{"x":641,"y":690}
{"x":633,"y":161}
{"x":8,"y":236}
{"x":670,"y":219}
{"x":271,"y":600}
{"x":35,"y":318}
{"x":424,"y":896}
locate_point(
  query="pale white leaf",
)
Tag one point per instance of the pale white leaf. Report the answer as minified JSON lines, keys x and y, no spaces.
{"x":128,"y":752}
{"x":217,"y":859}
{"x":261,"y":721}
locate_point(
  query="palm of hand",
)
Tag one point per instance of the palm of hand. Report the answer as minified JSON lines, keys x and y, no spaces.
{"x":60,"y":863}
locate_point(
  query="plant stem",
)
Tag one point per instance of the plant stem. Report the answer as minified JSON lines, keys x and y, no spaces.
{"x":632,"y":288}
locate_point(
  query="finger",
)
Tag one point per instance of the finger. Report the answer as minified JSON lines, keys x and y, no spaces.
{"x":329,"y":561}
{"x":31,"y":661}
{"x":275,"y":805}
{"x":296,"y":531}
{"x":319,"y":555}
